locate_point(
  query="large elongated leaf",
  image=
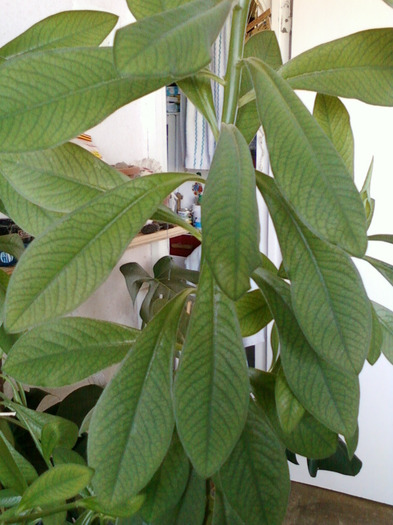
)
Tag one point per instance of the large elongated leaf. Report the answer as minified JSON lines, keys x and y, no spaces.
{"x":168,"y":484}
{"x":263,"y":45}
{"x":10,"y":474}
{"x":211,"y":386}
{"x":230,"y":214}
{"x":356,"y":66}
{"x":146,"y":8}
{"x":307,"y":167}
{"x":67,"y":29}
{"x":328,"y":393}
{"x":81,"y":83}
{"x":255,"y":479}
{"x":171,"y":45}
{"x":59,"y":269}
{"x":333,"y":117}
{"x":61,"y":179}
{"x":331,"y":307}
{"x":56,"y":485}
{"x":385,"y":317}
{"x":133,"y":421}
{"x":67,"y":350}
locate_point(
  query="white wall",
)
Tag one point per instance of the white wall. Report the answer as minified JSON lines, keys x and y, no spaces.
{"x":135,"y":131}
{"x":315,"y":22}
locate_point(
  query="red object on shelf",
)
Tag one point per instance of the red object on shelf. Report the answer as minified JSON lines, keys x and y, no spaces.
{"x":183,"y":245}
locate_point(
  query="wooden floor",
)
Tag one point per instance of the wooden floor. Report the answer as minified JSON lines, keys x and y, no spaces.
{"x":314,"y":506}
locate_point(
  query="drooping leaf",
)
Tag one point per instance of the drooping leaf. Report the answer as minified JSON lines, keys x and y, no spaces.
{"x":289,"y":410}
{"x":171,"y":45}
{"x":333,"y":117}
{"x":198,"y":91}
{"x":55,"y":485}
{"x":66,"y":29}
{"x":338,"y":462}
{"x":263,"y":45}
{"x":12,"y":244}
{"x":385,"y":317}
{"x":252,"y":312}
{"x":303,"y":157}
{"x":68,"y":253}
{"x":166,"y":270}
{"x":132,"y":424}
{"x":376,"y":339}
{"x":135,"y":276}
{"x":32,"y":113}
{"x":163,"y":213}
{"x":67,"y":350}
{"x":330,"y":394}
{"x":27,"y":470}
{"x":332,"y":307}
{"x":211,"y":386}
{"x":356,"y":66}
{"x":384,"y":268}
{"x":230,"y":214}
{"x":10,"y":475}
{"x":146,"y":8}
{"x":255,"y":479}
{"x":168,"y":484}
{"x":60,"y":179}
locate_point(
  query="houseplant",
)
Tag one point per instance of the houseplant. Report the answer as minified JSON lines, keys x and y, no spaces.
{"x":226,"y":461}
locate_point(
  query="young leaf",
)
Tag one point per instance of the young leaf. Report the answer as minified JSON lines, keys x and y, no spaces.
{"x":323,"y":300}
{"x":327,"y":392}
{"x":168,"y":484}
{"x":60,"y":179}
{"x":211,"y":387}
{"x":356,"y":66}
{"x":170,"y":45}
{"x":252,"y":312}
{"x":10,"y":474}
{"x":302,"y":156}
{"x":333,"y":117}
{"x":68,"y":252}
{"x":67,"y":350}
{"x":55,"y":485}
{"x":132,"y":424}
{"x":385,"y":317}
{"x":230,"y":215}
{"x":263,"y":45}
{"x":146,"y":8}
{"x":32,"y":113}
{"x":289,"y":410}
{"x":255,"y":479}
{"x":66,"y":29}
{"x":365,"y":195}
{"x":384,"y":268}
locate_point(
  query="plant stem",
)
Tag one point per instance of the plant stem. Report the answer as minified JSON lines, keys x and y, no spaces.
{"x":234,"y":66}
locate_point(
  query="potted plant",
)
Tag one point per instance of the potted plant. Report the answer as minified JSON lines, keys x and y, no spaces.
{"x":201,"y":439}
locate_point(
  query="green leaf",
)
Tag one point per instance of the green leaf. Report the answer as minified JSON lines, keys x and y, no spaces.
{"x":263,"y":45}
{"x":57,"y":433}
{"x":164,"y":214}
{"x":32,"y":113}
{"x":55,"y":485}
{"x":25,"y":467}
{"x":223,"y":514}
{"x":67,"y":350}
{"x":211,"y":387}
{"x":356,"y":66}
{"x":135,"y":277}
{"x":63,"y":455}
{"x":12,"y":244}
{"x":389,"y":2}
{"x":191,"y":509}
{"x":338,"y":462}
{"x":384,"y":268}
{"x":385,"y":317}
{"x":330,"y":394}
{"x":168,"y":484}
{"x":289,"y":410}
{"x":128,"y":508}
{"x":376,"y":339}
{"x":323,"y":300}
{"x":198,"y":91}
{"x":4,"y":280}
{"x":381,"y":237}
{"x":365,"y":194}
{"x":146,"y":8}
{"x":252,"y":312}
{"x":66,"y":29}
{"x":30,"y":217}
{"x":333,"y":117}
{"x":171,"y":45}
{"x":9,"y":498}
{"x":230,"y":214}
{"x":10,"y":475}
{"x":132,"y":424}
{"x":302,"y":156}
{"x":60,"y":179}
{"x":352,"y":444}
{"x":67,"y":252}
{"x":255,"y":479}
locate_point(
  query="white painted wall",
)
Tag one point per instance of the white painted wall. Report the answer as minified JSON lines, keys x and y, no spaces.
{"x":135,"y":131}
{"x":315,"y":22}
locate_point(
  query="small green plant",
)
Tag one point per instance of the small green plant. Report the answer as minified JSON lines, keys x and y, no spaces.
{"x":201,"y":439}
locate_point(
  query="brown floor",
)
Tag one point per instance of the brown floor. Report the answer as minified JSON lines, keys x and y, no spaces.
{"x":314,"y":506}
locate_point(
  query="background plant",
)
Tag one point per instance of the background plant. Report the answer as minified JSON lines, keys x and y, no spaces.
{"x":207,"y":442}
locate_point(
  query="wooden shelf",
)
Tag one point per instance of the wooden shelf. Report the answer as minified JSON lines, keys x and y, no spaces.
{"x":161,"y":235}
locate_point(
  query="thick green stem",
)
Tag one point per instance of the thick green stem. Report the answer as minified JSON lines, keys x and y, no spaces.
{"x":234,"y":66}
